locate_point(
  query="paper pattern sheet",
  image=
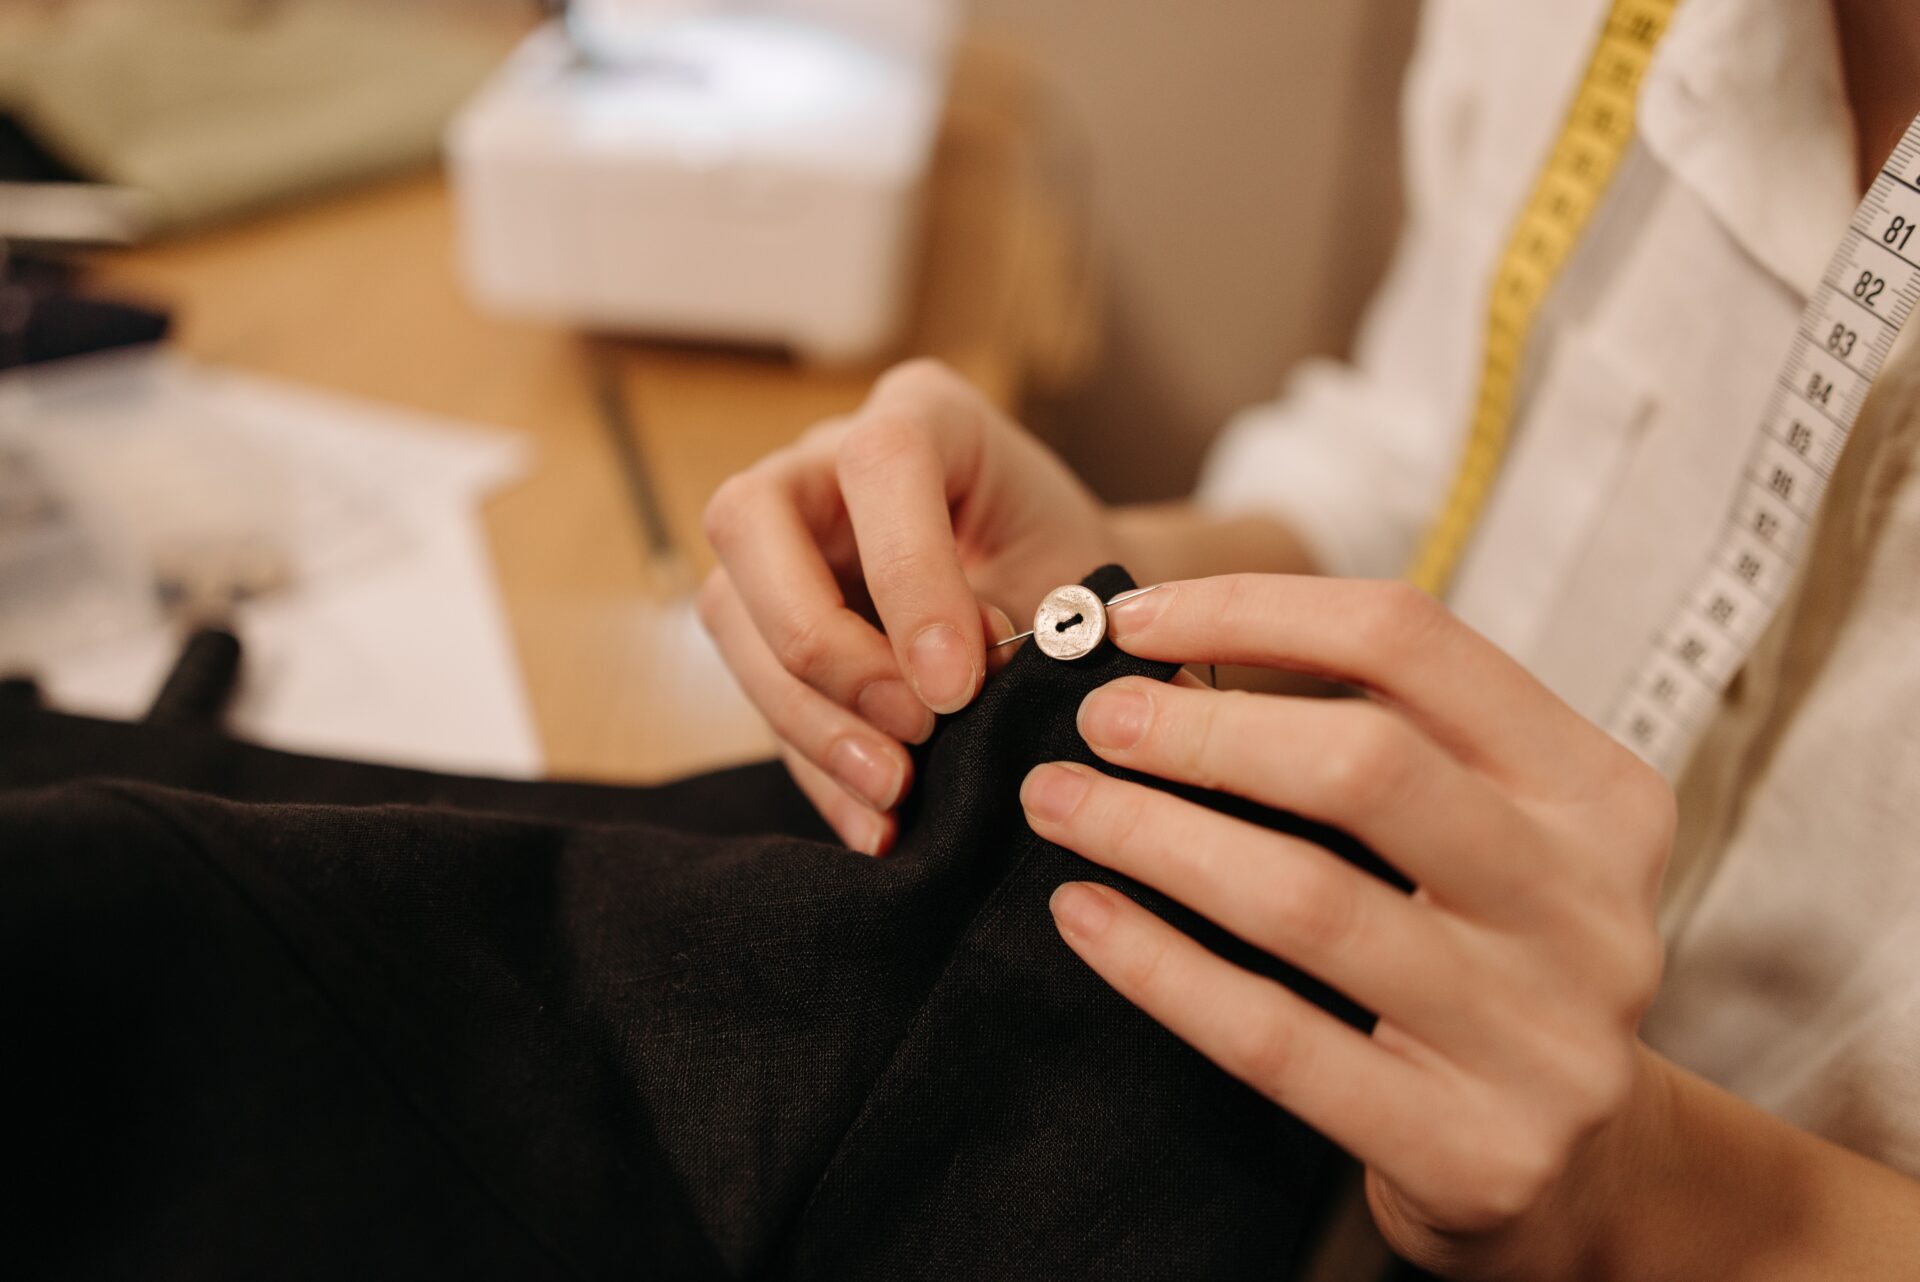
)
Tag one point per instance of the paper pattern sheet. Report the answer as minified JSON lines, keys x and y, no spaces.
{"x":398,"y":650}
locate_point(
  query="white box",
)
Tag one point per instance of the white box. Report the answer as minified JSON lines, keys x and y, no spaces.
{"x":736,"y":173}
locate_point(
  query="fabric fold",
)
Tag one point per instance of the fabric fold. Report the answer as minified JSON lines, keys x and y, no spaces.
{"x":581,"y":1031}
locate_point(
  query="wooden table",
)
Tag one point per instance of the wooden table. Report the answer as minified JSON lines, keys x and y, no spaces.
{"x":358,"y":293}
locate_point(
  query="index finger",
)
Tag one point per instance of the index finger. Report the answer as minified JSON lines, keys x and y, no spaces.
{"x":772,"y":554}
{"x":1387,"y":637}
{"x":909,"y":453}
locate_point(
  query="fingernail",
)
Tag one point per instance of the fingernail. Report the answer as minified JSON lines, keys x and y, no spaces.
{"x":891,"y":708}
{"x":943,"y":671}
{"x":1114,"y":717}
{"x":865,"y":834}
{"x":1051,"y":792}
{"x":1134,"y":614}
{"x":1081,"y":910}
{"x":866,"y":772}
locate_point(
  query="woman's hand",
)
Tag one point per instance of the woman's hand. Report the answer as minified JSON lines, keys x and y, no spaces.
{"x":852,"y":570}
{"x":1491,"y":1102}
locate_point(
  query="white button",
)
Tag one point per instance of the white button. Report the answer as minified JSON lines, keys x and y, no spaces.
{"x":1070,"y":623}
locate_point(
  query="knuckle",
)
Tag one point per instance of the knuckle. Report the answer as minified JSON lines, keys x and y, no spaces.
{"x":879,"y":445}
{"x":922,"y":376}
{"x":1267,"y":1055}
{"x":1653,"y":810}
{"x":824,"y":432}
{"x":1203,"y":750}
{"x":1121,"y":816}
{"x":898,"y":571}
{"x":1504,"y":1165}
{"x":1310,"y":914}
{"x":1239,"y":608}
{"x":1612,"y":950}
{"x":1364,"y":765}
{"x":1635,"y":961}
{"x":1649,"y":816}
{"x":1589,"y":1074}
{"x":1142,"y":969}
{"x":1642,"y":970}
{"x":736,"y":496}
{"x":1399,"y":619}
{"x":1519,"y":1174}
{"x":804,"y":648}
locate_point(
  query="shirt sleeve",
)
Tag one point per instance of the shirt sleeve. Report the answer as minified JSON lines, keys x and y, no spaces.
{"x":1342,"y":460}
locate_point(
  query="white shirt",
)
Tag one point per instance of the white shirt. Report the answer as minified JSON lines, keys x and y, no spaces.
{"x":1794,"y":975}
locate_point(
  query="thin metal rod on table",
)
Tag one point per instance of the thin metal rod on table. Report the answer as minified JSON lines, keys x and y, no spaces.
{"x":616,"y":415}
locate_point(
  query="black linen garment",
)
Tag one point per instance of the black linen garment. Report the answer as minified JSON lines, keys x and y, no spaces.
{"x":271,"y":1016}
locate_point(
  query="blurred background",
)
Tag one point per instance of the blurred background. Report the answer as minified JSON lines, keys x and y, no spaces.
{"x":406,"y":341}
{"x":1234,"y":147}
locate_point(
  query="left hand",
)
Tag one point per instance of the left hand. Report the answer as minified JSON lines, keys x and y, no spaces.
{"x":1509,"y":988}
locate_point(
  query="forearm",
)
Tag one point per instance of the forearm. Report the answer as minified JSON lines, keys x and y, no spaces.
{"x":1180,"y":540}
{"x":1739,"y":1194}
{"x":1698,"y":1183}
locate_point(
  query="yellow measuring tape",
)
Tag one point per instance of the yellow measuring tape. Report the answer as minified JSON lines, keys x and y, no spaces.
{"x":1577,"y":174}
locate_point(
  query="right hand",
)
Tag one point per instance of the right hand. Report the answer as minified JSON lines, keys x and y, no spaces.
{"x":926,"y":513}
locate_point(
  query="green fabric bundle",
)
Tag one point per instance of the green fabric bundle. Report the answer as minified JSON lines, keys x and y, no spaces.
{"x":213,"y":107}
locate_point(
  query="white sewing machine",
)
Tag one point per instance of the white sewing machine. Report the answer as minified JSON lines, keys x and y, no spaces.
{"x":714,"y":169}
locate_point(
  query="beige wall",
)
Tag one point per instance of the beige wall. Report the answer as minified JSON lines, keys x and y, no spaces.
{"x":1243,"y":180}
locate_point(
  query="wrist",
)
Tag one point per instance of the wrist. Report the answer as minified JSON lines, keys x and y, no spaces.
{"x":1584,"y":1228}
{"x":1597,"y":1226}
{"x":1163,"y":541}
{"x":1691,"y":1181}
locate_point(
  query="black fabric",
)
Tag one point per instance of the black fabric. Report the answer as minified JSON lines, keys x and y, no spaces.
{"x":23,"y":159}
{"x":274,"y":1016}
{"x":38,"y":327}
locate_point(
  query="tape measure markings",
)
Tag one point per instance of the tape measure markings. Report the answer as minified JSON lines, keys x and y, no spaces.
{"x":1829,"y":371}
{"x":1828,"y":374}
